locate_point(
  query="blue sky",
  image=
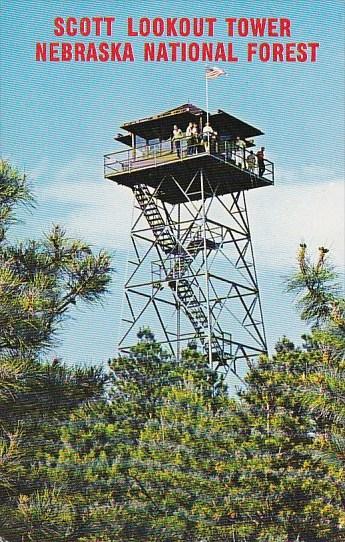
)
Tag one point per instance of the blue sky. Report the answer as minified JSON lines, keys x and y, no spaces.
{"x":59,"y":119}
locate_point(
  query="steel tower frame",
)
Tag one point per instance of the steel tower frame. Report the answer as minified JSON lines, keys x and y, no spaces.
{"x":202,"y":287}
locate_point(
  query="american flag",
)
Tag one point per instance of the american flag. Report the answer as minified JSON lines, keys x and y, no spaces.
{"x":213,"y":73}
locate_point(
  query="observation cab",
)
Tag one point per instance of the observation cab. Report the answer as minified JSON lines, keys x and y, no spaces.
{"x":151,"y":157}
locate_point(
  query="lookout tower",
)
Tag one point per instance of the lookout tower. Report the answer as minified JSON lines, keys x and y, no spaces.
{"x":191,"y":275}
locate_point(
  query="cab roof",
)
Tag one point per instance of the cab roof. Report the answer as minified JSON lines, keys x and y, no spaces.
{"x":160,"y":126}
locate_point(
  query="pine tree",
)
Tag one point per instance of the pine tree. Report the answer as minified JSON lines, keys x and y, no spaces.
{"x":90,"y":469}
{"x":94,"y":466}
{"x":297,"y":496}
{"x":246,"y":472}
{"x":318,"y":288}
{"x":39,"y":282}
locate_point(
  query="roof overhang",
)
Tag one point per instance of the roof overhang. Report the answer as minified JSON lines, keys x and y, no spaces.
{"x":126,"y":139}
{"x":222,"y":122}
{"x":160,"y":126}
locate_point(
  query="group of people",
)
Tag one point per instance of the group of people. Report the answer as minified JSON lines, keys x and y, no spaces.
{"x":251,"y":161}
{"x":195,"y":139}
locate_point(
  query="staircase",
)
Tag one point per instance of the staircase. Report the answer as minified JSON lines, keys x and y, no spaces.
{"x":181,"y":287}
{"x":162,"y":233}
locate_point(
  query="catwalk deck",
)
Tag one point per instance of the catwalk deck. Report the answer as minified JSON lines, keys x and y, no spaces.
{"x":174,"y":176}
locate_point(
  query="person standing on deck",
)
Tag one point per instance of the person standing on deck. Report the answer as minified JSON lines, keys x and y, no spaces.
{"x":240,"y":152}
{"x":207,"y":134}
{"x":176,"y":139}
{"x":251,"y":162}
{"x":260,"y":155}
{"x":189,"y":136}
{"x":195,"y":137}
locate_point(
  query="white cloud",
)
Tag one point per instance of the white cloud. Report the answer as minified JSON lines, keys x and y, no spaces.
{"x":283,"y":216}
{"x":280,"y":217}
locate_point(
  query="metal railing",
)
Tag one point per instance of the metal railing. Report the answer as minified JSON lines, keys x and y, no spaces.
{"x":168,"y":151}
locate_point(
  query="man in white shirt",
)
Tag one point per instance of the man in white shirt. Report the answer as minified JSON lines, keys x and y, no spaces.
{"x":207,"y":133}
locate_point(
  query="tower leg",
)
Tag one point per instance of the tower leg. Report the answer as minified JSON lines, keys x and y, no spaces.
{"x":207,"y":289}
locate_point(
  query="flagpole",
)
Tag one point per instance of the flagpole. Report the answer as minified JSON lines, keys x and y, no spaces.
{"x":210,"y":73}
{"x":207,"y":108}
{"x":207,"y":113}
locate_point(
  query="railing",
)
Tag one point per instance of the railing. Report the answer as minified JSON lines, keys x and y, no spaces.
{"x":169,"y":151}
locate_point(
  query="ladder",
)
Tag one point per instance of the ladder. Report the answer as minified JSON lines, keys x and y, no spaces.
{"x":162,"y":233}
{"x":181,"y":287}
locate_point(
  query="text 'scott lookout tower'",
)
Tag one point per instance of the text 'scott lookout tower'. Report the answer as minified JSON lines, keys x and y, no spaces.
{"x":191,"y":274}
